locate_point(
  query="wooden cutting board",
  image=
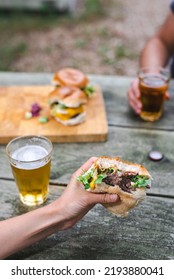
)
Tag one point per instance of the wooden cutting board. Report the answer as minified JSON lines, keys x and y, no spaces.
{"x":16,"y":100}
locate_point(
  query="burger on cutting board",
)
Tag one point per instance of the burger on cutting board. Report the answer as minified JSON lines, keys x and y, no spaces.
{"x":71,"y":92}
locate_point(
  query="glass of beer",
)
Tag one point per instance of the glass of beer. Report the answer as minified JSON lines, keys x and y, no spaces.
{"x":30,"y":160}
{"x":153,"y":84}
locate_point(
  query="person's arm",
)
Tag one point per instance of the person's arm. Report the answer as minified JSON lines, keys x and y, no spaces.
{"x":21,"y":231}
{"x":156,"y":52}
{"x":159,"y":49}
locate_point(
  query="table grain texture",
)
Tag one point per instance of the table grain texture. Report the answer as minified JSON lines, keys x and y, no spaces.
{"x":148,"y":231}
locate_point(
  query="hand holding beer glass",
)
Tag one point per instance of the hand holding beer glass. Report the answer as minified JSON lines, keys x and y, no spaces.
{"x":153,"y":84}
{"x":30,"y":160}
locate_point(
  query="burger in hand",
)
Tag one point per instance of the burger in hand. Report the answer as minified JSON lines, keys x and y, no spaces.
{"x":113,"y":175}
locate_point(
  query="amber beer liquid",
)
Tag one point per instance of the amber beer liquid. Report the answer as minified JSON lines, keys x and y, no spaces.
{"x":153,"y":87}
{"x":32,"y":178}
{"x":31,"y":170}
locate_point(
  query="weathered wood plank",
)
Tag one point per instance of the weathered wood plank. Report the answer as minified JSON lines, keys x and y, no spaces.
{"x":130,"y":144}
{"x":15,"y":78}
{"x":147,"y":233}
{"x":117,"y":108}
{"x":10,"y":204}
{"x":115,"y":93}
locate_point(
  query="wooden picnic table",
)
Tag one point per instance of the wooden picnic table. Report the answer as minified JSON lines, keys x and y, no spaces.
{"x":148,"y":231}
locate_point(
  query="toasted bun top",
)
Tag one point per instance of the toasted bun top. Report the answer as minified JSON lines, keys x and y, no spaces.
{"x":59,"y":93}
{"x":70,"y":77}
{"x":68,"y":96}
{"x":107,"y":162}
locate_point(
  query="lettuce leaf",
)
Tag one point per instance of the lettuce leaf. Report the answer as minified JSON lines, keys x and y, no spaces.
{"x":86,"y":178}
{"x":89,"y":90}
{"x":100,"y":178}
{"x":140,"y":181}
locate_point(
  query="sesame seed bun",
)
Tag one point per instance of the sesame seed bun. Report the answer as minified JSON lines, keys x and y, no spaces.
{"x":70,"y":77}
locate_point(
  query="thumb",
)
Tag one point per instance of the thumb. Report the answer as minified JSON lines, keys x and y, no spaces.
{"x":104,"y":198}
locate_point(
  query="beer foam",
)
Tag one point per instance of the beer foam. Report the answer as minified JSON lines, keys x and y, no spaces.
{"x":154,"y":80}
{"x":29,"y":153}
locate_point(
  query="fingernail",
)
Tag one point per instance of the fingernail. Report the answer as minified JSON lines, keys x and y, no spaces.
{"x":113,"y":197}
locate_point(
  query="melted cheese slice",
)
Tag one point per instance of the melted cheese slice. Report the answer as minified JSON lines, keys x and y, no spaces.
{"x":70,"y":112}
{"x":92,"y":184}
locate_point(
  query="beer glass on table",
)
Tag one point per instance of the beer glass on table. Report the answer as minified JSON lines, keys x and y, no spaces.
{"x":30,"y":160}
{"x":153,"y":84}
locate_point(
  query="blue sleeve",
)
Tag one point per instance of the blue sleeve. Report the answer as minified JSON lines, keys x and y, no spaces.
{"x":172,"y":6}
